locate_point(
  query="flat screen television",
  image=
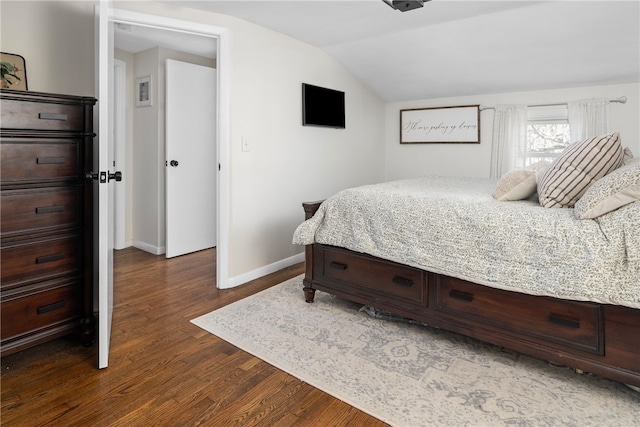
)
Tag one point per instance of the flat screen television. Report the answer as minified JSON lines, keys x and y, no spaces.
{"x":322,"y":107}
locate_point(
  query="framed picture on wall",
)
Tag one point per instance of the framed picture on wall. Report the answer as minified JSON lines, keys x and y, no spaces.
{"x":144,"y":96}
{"x":460,"y":125}
{"x":14,"y":72}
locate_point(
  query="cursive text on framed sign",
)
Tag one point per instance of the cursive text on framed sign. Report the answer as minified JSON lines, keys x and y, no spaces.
{"x":459,"y":125}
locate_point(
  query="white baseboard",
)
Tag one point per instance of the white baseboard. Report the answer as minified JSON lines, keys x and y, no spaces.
{"x":156,"y":250}
{"x":127,"y":244}
{"x":240,"y":279}
{"x":263,"y":271}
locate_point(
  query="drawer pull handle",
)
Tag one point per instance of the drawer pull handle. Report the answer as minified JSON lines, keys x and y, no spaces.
{"x":52,"y":116}
{"x":464,"y":296}
{"x":47,"y":308}
{"x":49,"y":209}
{"x":402,"y":281}
{"x":563,"y":321}
{"x":50,"y":160}
{"x":49,"y":258}
{"x":338,"y":265}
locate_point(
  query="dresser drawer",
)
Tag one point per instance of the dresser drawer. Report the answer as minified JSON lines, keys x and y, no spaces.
{"x":572,"y":324}
{"x":39,"y":310}
{"x":18,"y":114}
{"x":373,"y":274}
{"x":39,"y":159}
{"x":31,"y":210}
{"x":29,"y":262}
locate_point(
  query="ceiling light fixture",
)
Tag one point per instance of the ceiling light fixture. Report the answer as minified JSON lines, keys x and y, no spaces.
{"x":404,"y":5}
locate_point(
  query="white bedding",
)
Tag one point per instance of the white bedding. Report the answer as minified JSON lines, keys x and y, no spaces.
{"x":454,"y":226}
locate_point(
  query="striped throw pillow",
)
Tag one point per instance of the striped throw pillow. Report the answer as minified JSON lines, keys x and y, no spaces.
{"x":579,"y":166}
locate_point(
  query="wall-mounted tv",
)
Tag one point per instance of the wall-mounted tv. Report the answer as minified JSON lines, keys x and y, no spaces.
{"x":322,"y":107}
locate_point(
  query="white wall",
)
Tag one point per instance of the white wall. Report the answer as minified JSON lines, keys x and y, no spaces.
{"x":288,"y":163}
{"x":146,"y":156}
{"x":269,"y":183}
{"x":413,"y":160}
{"x":56,"y":40}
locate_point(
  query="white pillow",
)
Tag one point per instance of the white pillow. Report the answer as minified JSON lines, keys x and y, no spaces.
{"x":617,"y":189}
{"x":518,"y":184}
{"x":627,"y":156}
{"x":578,"y":167}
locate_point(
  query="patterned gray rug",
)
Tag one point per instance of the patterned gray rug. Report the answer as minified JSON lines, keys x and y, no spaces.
{"x":412,"y":375}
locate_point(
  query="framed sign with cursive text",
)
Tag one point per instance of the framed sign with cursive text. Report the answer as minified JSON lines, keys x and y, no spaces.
{"x":460,"y":125}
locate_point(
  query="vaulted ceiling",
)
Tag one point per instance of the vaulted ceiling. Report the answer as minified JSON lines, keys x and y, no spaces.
{"x":453,"y":47}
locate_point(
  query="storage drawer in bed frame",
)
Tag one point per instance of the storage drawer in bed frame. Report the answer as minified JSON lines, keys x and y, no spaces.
{"x":570,"y":324}
{"x":376,"y":278}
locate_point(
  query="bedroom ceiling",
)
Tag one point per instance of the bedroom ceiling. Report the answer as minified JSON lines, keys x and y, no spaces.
{"x":457,"y":48}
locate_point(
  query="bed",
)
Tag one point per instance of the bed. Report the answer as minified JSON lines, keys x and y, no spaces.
{"x":443,"y":251}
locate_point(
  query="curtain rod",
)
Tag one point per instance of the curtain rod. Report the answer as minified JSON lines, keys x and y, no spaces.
{"x":621,"y":100}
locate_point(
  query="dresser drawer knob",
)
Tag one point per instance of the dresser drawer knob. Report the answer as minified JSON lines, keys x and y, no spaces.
{"x":49,"y":258}
{"x":402,"y":281}
{"x":50,"y":160}
{"x":464,"y":296}
{"x":49,"y":209}
{"x":52,"y":116}
{"x":564,"y":321}
{"x":338,"y":265}
{"x":51,"y":307}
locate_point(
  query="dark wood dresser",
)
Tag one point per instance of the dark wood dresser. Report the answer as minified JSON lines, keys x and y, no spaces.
{"x":46,"y":231}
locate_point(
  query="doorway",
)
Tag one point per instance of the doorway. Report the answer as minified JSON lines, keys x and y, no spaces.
{"x":177,"y":30}
{"x":106,"y":19}
{"x":146,"y":50}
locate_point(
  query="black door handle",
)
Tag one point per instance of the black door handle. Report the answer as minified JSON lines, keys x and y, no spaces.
{"x":103,"y":177}
{"x":173,"y":163}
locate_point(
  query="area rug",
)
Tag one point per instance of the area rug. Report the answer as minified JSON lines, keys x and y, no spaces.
{"x":412,"y":375}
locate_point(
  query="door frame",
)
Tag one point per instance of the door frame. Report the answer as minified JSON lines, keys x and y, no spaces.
{"x":221,"y":36}
{"x":119,"y":139}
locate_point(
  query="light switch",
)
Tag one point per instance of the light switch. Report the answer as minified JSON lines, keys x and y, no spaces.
{"x":245,"y":143}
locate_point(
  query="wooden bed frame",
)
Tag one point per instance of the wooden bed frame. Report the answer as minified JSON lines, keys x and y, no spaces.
{"x":602,"y":339}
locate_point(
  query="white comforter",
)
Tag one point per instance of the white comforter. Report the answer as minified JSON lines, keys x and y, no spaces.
{"x":454,"y":226}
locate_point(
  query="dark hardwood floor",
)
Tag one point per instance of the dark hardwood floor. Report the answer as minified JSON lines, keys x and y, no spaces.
{"x":163,"y":370}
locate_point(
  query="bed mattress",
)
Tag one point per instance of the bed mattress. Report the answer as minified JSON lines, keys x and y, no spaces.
{"x":453,"y":226}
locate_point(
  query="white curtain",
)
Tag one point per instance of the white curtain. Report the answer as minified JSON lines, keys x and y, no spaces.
{"x":509,"y":145}
{"x":588,"y":118}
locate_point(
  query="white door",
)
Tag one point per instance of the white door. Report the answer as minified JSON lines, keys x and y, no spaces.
{"x":103,"y":187}
{"x":191,"y":164}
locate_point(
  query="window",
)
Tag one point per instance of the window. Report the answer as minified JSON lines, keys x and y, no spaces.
{"x":547,"y":133}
